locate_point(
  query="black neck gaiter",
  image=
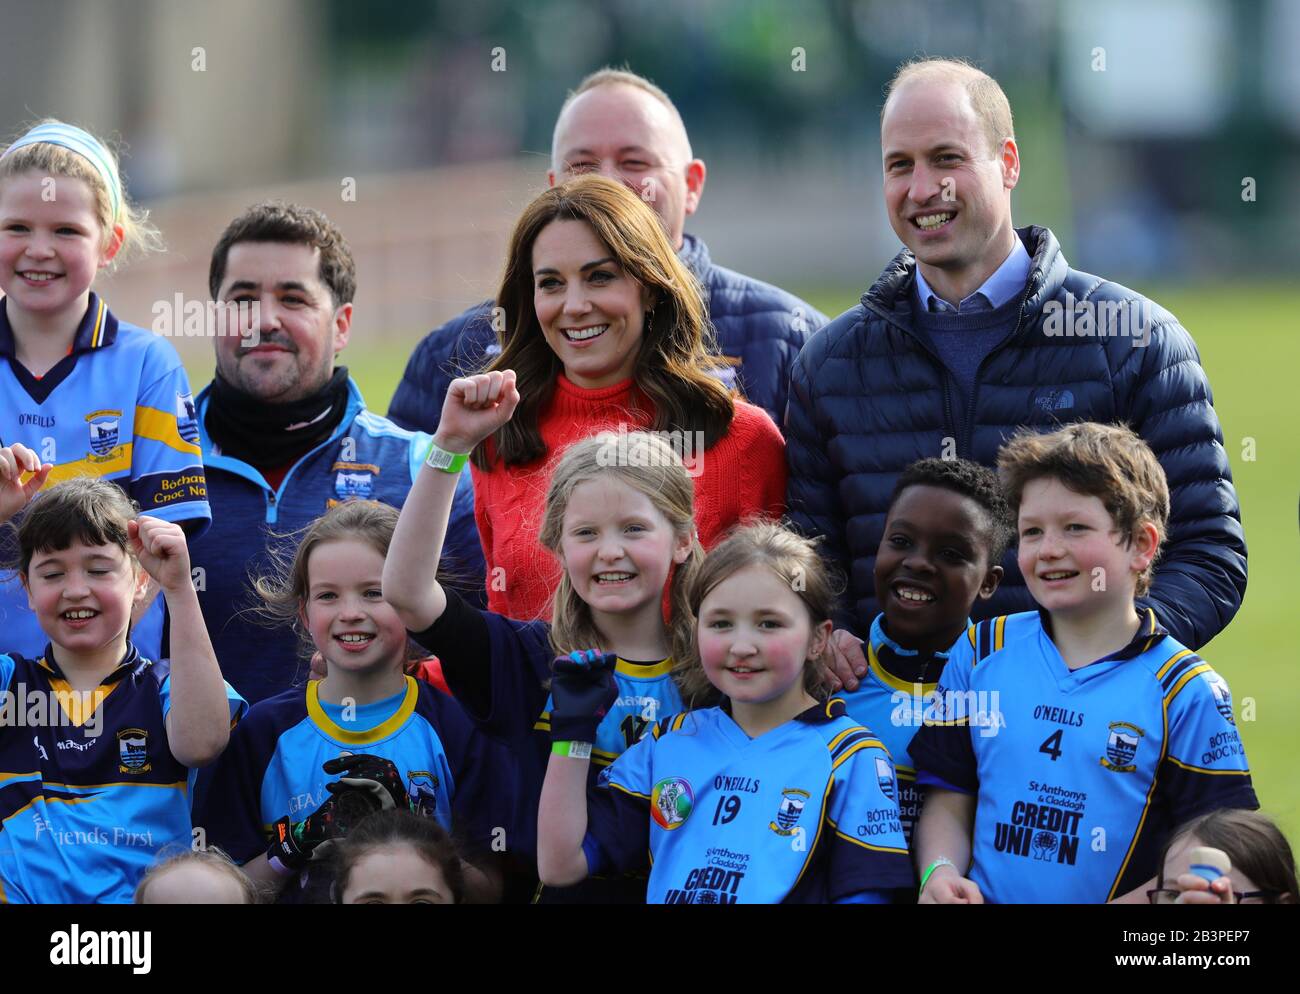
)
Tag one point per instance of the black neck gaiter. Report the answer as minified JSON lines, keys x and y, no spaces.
{"x":263,"y":434}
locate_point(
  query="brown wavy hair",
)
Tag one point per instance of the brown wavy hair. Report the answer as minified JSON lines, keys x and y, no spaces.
{"x":677,"y":351}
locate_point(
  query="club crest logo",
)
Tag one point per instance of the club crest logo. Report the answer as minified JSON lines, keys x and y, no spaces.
{"x":422,"y":789}
{"x":787,"y":814}
{"x":1122,"y":747}
{"x":354,"y":480}
{"x":133,"y":751}
{"x":187,"y":419}
{"x":885,"y":777}
{"x":1222,"y":696}
{"x":104,"y":430}
{"x":671,"y":802}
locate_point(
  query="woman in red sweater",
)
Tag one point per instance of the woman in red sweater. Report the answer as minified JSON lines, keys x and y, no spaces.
{"x":607,"y":330}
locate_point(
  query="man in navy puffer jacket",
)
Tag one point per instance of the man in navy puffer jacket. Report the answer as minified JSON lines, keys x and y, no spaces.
{"x":991,"y":332}
{"x":625,"y":127}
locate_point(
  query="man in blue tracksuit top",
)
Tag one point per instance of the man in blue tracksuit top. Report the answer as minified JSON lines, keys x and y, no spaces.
{"x":285,"y":435}
{"x":623,"y":126}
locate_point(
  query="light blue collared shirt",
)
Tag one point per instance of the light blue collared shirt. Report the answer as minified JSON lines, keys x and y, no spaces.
{"x":1007,"y":281}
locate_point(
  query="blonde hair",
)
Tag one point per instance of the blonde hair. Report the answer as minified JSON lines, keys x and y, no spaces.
{"x":650,"y":466}
{"x":1109,"y":462}
{"x":794,"y":559}
{"x":986,"y":96}
{"x":212,"y":858}
{"x":139,"y":237}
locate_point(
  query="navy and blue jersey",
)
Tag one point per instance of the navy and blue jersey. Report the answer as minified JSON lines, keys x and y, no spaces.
{"x":273,"y":765}
{"x":806,"y":813}
{"x":890,"y":700}
{"x":117,"y":407}
{"x":1080,"y":774}
{"x":89,"y":791}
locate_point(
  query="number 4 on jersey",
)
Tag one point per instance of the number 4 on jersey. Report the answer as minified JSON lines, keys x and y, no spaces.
{"x":1052,"y":744}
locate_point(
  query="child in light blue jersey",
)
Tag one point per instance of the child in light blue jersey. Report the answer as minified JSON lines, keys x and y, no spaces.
{"x":774,"y":796}
{"x":1066,"y":744}
{"x":97,"y":742}
{"x":89,"y":393}
{"x":945,"y":532}
{"x":308,"y":764}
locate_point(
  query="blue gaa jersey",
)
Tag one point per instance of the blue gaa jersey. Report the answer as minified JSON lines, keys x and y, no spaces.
{"x":1080,"y":774}
{"x":645,"y":692}
{"x":117,"y":407}
{"x":806,"y":813}
{"x":272,"y":766}
{"x":89,"y":791}
{"x":890,"y":700}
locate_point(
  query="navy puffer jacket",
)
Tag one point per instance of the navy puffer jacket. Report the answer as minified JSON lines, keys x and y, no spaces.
{"x":759,"y":324}
{"x":869,"y":396}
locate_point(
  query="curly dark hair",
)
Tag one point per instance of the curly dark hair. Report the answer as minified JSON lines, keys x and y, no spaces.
{"x":290,"y":224}
{"x":969,"y":479}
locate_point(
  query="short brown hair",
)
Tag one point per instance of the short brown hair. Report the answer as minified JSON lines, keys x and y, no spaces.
{"x":986,"y":96}
{"x":677,"y":348}
{"x":1109,"y":462}
{"x":791,"y":557}
{"x":290,"y":224}
{"x":83,"y":509}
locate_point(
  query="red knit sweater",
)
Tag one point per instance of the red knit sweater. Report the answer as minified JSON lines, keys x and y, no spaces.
{"x":742,"y":476}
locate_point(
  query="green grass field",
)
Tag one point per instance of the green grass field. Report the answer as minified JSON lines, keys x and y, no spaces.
{"x":1251,"y":350}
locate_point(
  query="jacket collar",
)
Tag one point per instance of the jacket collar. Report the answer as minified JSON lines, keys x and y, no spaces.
{"x":899,"y":668}
{"x":892,"y":297}
{"x":819,"y":714}
{"x":356,"y":404}
{"x":694,"y":255}
{"x":131,"y":660}
{"x":1149,"y":632}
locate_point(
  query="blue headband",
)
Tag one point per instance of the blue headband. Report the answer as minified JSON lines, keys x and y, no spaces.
{"x":85,"y":145}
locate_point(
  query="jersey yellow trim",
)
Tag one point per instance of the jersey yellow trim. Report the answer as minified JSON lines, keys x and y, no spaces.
{"x":630,"y":793}
{"x":823,"y":816}
{"x":34,"y":774}
{"x":1171,"y":662}
{"x":970,"y":637}
{"x":120,"y":783}
{"x":1146,"y":805}
{"x":891,"y":681}
{"x":835,"y":742}
{"x":642,"y":671}
{"x":119,"y":463}
{"x":73,"y":703}
{"x":999,"y":630}
{"x":97,"y":336}
{"x":867,"y":845}
{"x":381,"y":731}
{"x":905,"y":772}
{"x":1182,"y":680}
{"x":857,"y":747}
{"x":160,"y":426}
{"x":1213,"y":773}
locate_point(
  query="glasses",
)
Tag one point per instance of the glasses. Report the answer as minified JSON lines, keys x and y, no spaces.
{"x":1169,"y":895}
